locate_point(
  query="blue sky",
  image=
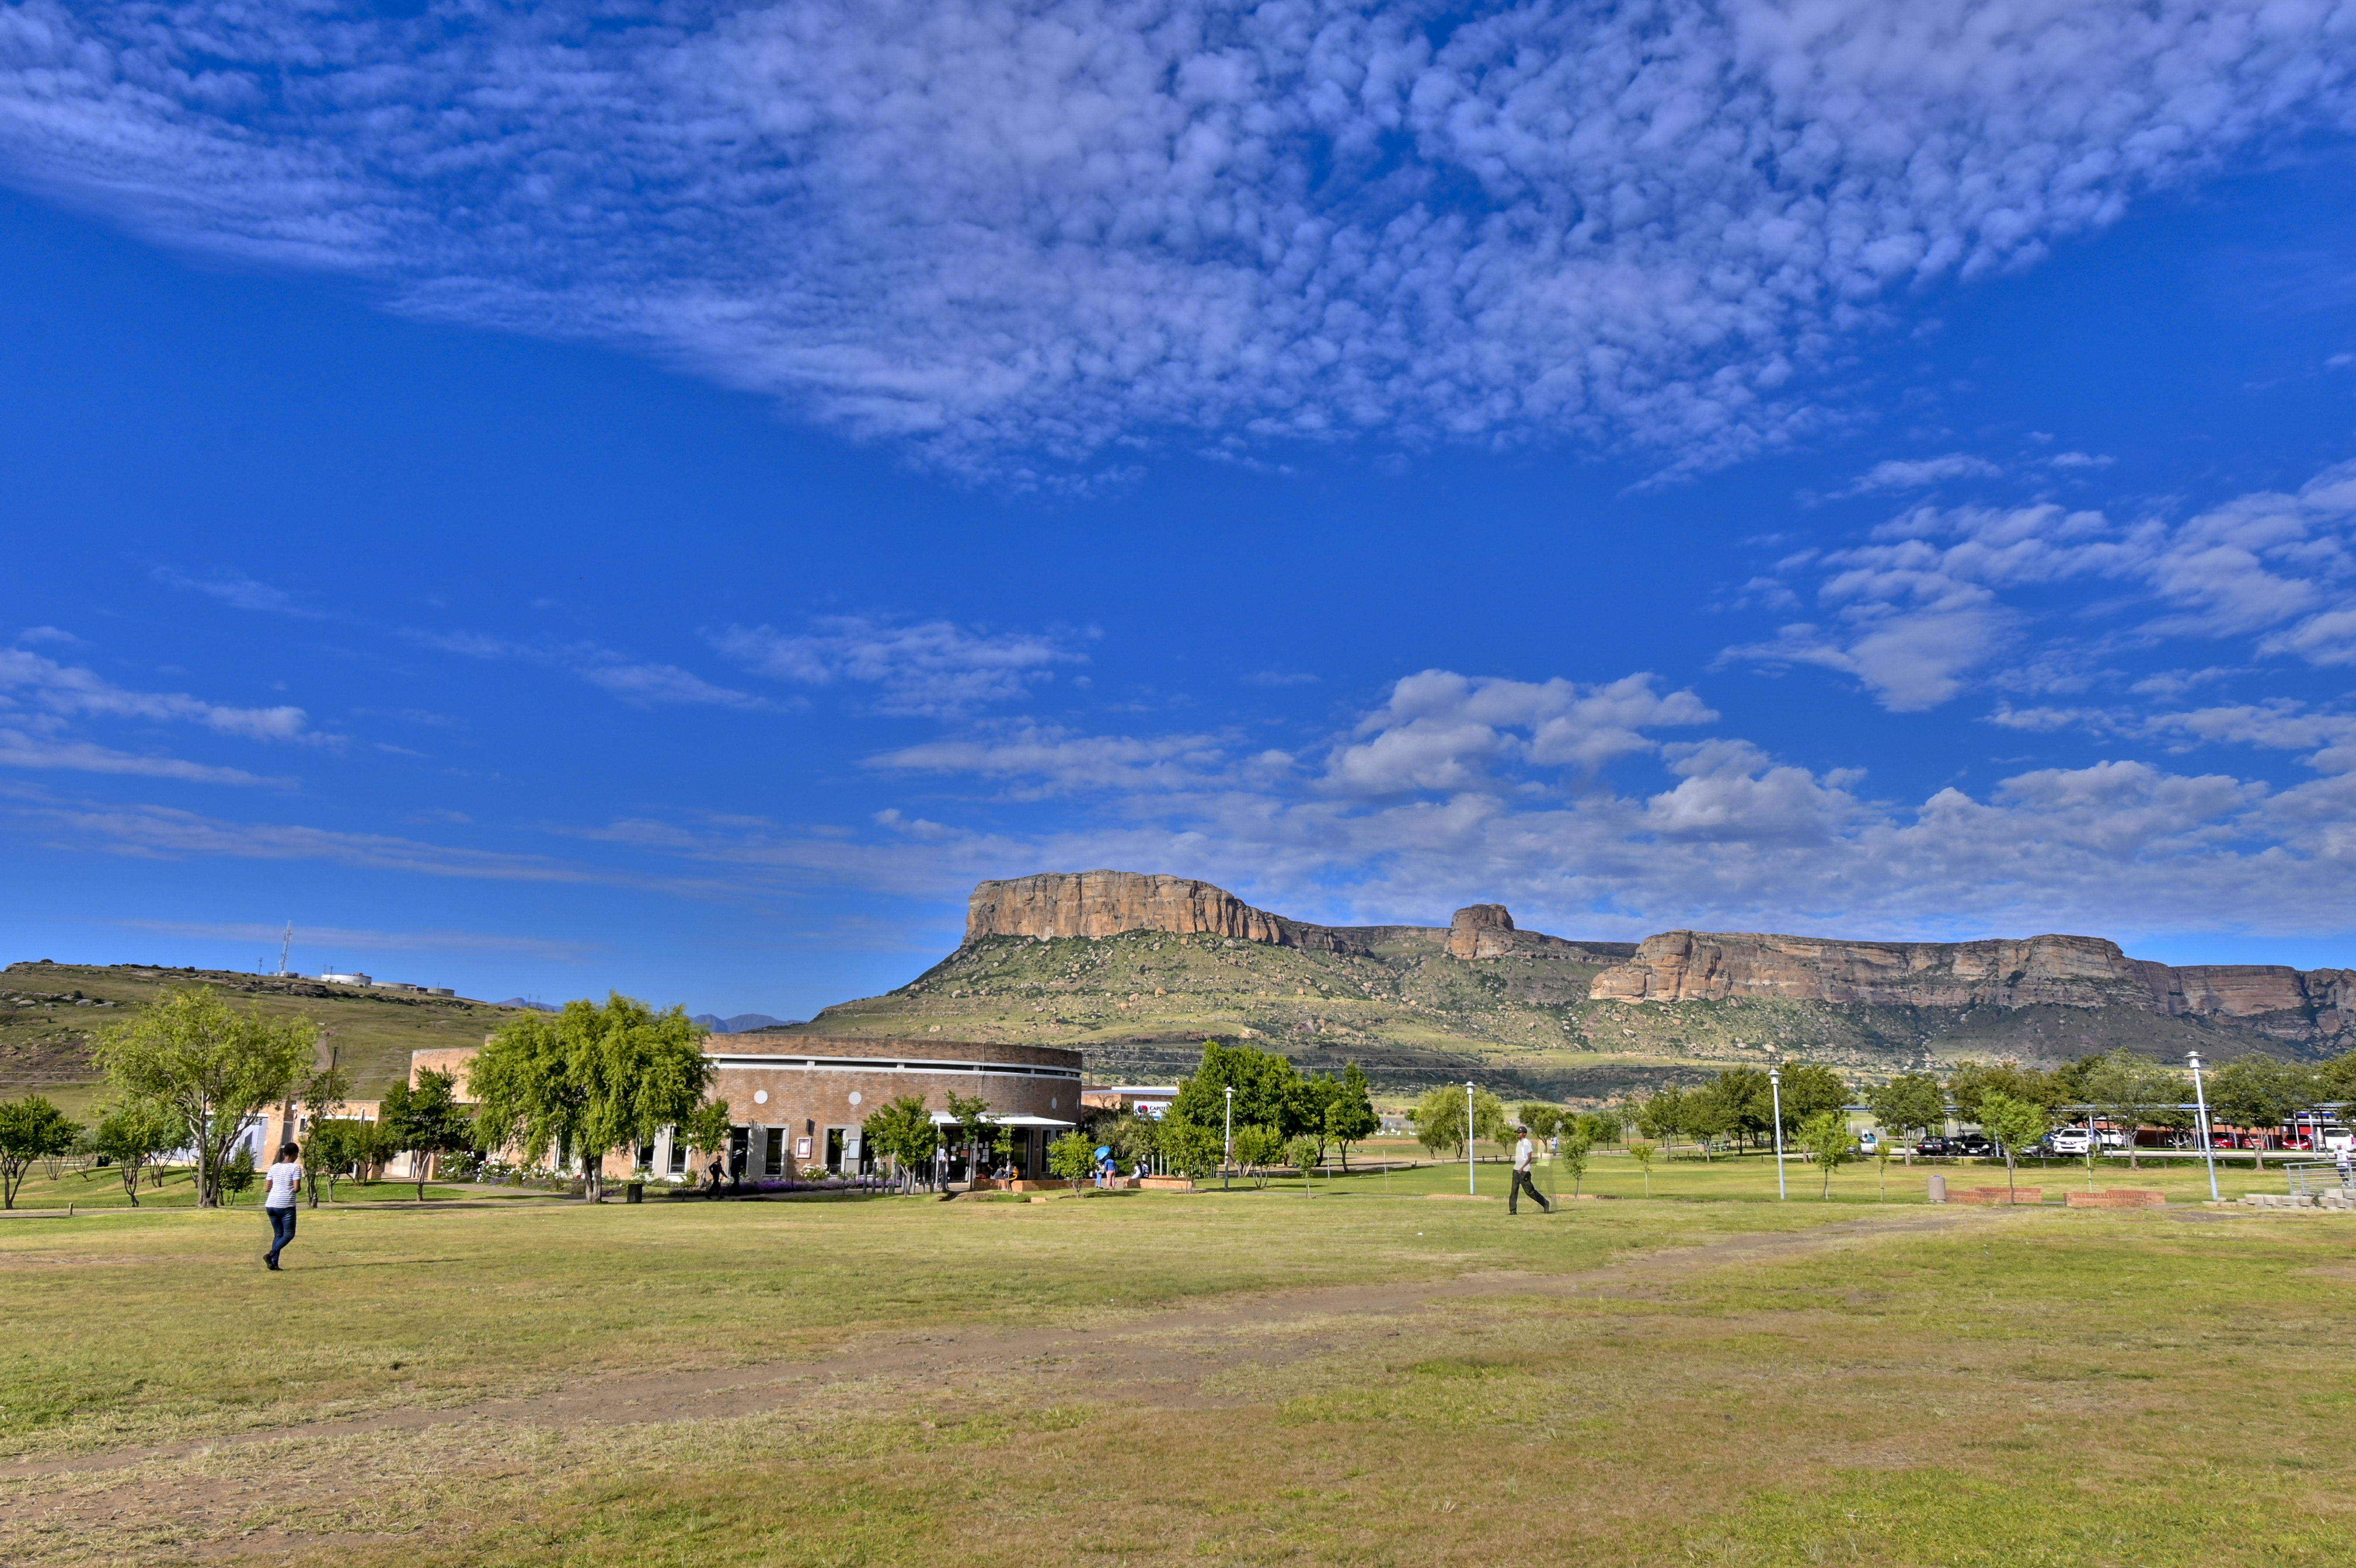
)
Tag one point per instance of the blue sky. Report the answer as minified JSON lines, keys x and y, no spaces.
{"x":668,"y":497}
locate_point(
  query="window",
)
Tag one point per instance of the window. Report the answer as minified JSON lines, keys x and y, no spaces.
{"x":773,"y":1162}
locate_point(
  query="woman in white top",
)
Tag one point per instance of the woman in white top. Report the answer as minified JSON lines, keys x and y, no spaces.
{"x":284,"y":1180}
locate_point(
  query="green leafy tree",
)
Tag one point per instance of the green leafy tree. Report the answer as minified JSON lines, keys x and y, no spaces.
{"x":1135,"y":1140}
{"x":1970,"y":1083}
{"x":1711,"y":1116}
{"x":1573,"y":1153}
{"x":2135,"y":1091}
{"x":1810,"y":1090}
{"x":1304,"y":1153}
{"x":1826,"y":1139}
{"x":373,"y":1149}
{"x":1073,"y":1156}
{"x":1909,"y":1103}
{"x":1439,"y":1120}
{"x":1663,"y":1117}
{"x":903,"y":1131}
{"x":133,"y":1135}
{"x":1190,"y":1151}
{"x":331,"y":1149}
{"x":1267,"y":1092}
{"x":576,"y":1084}
{"x":237,"y":1172}
{"x":2335,"y":1080}
{"x":2261,"y":1094}
{"x":211,"y":1067}
{"x":30,"y":1130}
{"x":1256,"y":1150}
{"x":1740,"y":1102}
{"x":426,"y":1121}
{"x":1543,"y":1120}
{"x":972,"y":1113}
{"x":1351,"y":1116}
{"x":2017,"y":1126}
{"x":1641,"y":1153}
{"x":321,"y":1094}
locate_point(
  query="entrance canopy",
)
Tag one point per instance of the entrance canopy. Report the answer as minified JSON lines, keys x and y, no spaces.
{"x":943,"y":1119}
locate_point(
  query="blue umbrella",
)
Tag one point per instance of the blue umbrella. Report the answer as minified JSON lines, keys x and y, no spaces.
{"x":1104,"y":1151}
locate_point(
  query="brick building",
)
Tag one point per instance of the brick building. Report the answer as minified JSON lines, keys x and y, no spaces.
{"x":797,"y":1101}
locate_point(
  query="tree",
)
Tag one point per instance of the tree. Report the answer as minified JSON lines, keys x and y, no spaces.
{"x":1826,"y":1139}
{"x":426,"y":1121}
{"x":1909,"y":1103}
{"x":1304,"y":1153}
{"x":1972,"y":1081}
{"x":2131,"y":1089}
{"x":590,"y":1079}
{"x":972,"y":1113}
{"x":1572,"y":1155}
{"x":332,"y":1147}
{"x":1135,"y":1139}
{"x":318,"y":1095}
{"x":133,"y":1135}
{"x":1709,"y":1116}
{"x":237,"y":1171}
{"x":1543,"y":1120}
{"x":1810,"y":1090}
{"x":904,"y":1131}
{"x":2016,"y":1124}
{"x":1739,"y":1101}
{"x":1191,"y":1151}
{"x":1257,"y":1149}
{"x":2258,"y":1091}
{"x":211,"y":1067}
{"x":30,"y":1130}
{"x":1351,"y":1115}
{"x":1663,"y":1117}
{"x":1643,"y":1155}
{"x":1072,"y":1156}
{"x":1439,"y":1120}
{"x":1267,"y":1092}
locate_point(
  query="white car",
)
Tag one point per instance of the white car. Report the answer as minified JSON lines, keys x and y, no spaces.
{"x":2069,"y":1140}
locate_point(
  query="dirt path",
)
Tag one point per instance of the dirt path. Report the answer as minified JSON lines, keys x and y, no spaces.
{"x":1158,"y":1359}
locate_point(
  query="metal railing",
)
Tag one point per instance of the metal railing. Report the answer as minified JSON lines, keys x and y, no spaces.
{"x":2313,"y":1178}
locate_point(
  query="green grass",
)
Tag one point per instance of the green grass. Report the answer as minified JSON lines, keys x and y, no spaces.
{"x":2041,"y":1388}
{"x":101,"y":1189}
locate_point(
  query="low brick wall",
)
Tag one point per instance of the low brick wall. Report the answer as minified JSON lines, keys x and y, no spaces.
{"x":1168,"y":1184}
{"x":2118,"y":1197}
{"x":1997,"y":1195}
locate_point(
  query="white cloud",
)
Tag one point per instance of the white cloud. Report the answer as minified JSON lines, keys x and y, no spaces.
{"x":347,"y":939}
{"x":917,"y":667}
{"x":1004,"y":230}
{"x":236,"y":590}
{"x":69,"y":689}
{"x":1056,"y":761}
{"x":1921,"y":606}
{"x":20,"y":749}
{"x":162,"y":832}
{"x":1920,"y":474}
{"x":1444,"y":731}
{"x":635,"y":683}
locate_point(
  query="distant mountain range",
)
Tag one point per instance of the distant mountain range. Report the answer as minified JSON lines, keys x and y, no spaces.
{"x":535,"y":1006}
{"x":741,"y":1023}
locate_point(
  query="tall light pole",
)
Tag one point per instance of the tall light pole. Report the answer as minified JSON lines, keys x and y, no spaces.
{"x":1468,"y":1187}
{"x":1775,"y":1084}
{"x":1227,"y":1163}
{"x":2200,"y":1100}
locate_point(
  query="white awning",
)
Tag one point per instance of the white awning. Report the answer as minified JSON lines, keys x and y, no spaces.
{"x":943,"y":1119}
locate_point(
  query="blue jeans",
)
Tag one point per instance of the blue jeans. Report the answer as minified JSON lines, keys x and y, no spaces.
{"x":282,"y":1229}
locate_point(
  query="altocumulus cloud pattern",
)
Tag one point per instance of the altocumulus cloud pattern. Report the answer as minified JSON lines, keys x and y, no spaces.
{"x":1013,"y":234}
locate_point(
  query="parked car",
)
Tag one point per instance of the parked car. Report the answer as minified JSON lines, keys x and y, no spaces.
{"x":1977,"y":1146}
{"x":1932,"y":1147}
{"x":2069,"y":1140}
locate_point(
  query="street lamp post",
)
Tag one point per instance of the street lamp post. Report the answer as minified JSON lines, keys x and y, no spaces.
{"x":2200,"y":1101}
{"x":1469,"y":1186}
{"x":1775,"y":1084}
{"x":1228,"y":1161}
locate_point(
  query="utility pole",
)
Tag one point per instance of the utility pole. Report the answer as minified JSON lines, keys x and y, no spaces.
{"x":1775,"y":1084}
{"x":1228,"y":1164}
{"x":2200,"y":1101}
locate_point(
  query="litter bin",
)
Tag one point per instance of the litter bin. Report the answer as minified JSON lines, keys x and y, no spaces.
{"x":633,"y":1192}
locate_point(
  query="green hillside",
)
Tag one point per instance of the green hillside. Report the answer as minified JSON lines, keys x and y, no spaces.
{"x":50,"y":1013}
{"x":1141,"y":1003}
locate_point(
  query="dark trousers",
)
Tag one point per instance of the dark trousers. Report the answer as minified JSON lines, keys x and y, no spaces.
{"x":1522,"y":1183}
{"x":282,"y":1229}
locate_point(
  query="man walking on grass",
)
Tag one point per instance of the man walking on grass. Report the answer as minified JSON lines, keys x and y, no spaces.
{"x":284,"y":1180}
{"x":1524,"y":1152}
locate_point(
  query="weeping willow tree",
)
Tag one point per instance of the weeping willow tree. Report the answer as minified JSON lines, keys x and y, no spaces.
{"x":574,"y":1085}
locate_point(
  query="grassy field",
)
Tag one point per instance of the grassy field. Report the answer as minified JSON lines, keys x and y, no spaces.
{"x":1363,"y":1376}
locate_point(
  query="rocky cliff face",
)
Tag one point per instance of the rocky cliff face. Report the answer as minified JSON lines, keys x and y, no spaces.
{"x":1106,"y":903}
{"x":1470,"y":925}
{"x":2066,"y":971}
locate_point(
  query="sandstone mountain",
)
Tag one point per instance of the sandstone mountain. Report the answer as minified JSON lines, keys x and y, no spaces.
{"x":1137,"y":968}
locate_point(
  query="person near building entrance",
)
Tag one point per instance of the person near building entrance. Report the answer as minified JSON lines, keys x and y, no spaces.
{"x":283,"y":1180}
{"x":2346,"y":1163}
{"x":1524,"y":1152}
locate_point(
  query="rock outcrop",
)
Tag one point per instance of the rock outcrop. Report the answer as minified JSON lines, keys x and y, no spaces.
{"x":2065,"y":971}
{"x":1480,"y":923}
{"x":1106,"y":903}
